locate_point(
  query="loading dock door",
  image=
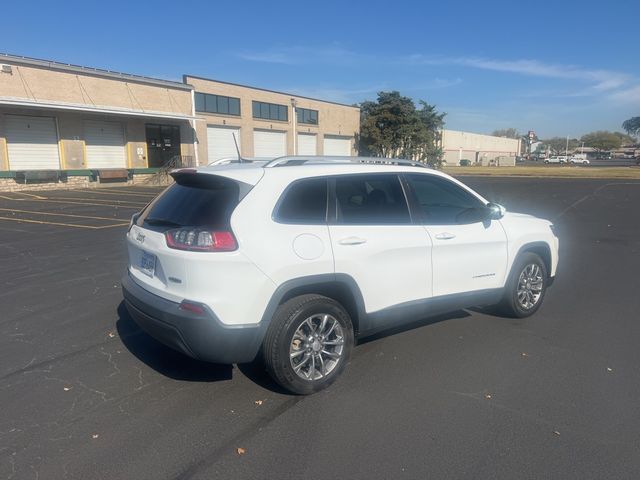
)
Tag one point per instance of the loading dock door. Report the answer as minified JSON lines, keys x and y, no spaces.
{"x":267,"y":143}
{"x":335,"y":145}
{"x":105,"y":144}
{"x":220,"y":142}
{"x":307,"y":144}
{"x":32,"y":143}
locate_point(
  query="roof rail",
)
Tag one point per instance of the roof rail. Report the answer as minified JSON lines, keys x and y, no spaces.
{"x":303,"y":160}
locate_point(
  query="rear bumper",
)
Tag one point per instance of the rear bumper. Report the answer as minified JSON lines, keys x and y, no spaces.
{"x":200,"y":336}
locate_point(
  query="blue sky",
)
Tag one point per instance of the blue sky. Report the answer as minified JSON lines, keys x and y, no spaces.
{"x":559,"y":68}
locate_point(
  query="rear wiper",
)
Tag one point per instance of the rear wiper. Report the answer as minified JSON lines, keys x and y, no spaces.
{"x":161,"y":221}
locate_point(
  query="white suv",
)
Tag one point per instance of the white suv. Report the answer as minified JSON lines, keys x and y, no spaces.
{"x":294,"y":259}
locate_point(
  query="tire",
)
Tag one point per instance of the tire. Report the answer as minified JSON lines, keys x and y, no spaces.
{"x":516,"y":305}
{"x":297,"y":364}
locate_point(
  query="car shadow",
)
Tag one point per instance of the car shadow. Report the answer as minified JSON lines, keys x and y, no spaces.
{"x":423,"y":322}
{"x":178,"y":366}
{"x":163,"y":359}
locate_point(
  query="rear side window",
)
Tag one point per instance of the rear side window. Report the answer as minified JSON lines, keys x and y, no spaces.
{"x":371,"y":200}
{"x":194,"y":201}
{"x":442,"y":202}
{"x":304,"y":202}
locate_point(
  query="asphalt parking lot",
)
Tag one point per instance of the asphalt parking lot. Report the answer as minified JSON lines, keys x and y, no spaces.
{"x":85,"y":394}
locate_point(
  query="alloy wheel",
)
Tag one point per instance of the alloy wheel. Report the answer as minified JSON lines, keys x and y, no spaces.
{"x":316,"y":347}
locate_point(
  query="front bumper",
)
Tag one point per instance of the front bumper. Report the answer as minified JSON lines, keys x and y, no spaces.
{"x":200,"y":336}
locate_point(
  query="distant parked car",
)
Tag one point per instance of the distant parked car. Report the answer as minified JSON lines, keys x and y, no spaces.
{"x":465,"y":162}
{"x":556,"y":159}
{"x":579,"y":160}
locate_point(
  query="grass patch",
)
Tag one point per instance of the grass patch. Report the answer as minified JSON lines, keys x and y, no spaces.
{"x":555,"y":172}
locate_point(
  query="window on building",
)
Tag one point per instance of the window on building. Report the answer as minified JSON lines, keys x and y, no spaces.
{"x":304,"y":115}
{"x":305,"y":202}
{"x":270,"y":111}
{"x":206,"y":102}
{"x":371,"y":200}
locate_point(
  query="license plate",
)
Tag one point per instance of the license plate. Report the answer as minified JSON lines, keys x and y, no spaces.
{"x":148,"y":263}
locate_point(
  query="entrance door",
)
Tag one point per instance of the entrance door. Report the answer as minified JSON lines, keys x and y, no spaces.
{"x":163,"y":143}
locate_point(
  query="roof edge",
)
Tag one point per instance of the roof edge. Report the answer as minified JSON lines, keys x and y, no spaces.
{"x":98,"y":72}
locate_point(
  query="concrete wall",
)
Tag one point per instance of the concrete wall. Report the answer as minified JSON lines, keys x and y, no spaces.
{"x":478,"y":148}
{"x":333,"y":119}
{"x":56,"y":85}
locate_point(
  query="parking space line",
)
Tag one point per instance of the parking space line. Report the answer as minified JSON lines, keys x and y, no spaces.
{"x":125,"y":194}
{"x":31,"y":195}
{"x":59,"y":214}
{"x":64,"y":224}
{"x":138,"y":207}
{"x":102,"y":200}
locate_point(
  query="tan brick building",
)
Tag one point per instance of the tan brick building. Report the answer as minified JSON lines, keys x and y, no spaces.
{"x":267,"y":123}
{"x":59,"y":121}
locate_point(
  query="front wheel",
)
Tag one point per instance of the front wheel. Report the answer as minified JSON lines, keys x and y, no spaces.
{"x":526,"y":286}
{"x":308,"y":343}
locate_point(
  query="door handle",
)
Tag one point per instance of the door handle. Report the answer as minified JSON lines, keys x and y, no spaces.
{"x":352,"y":241}
{"x":445,"y":236}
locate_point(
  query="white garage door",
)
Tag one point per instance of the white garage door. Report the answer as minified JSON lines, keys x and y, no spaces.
{"x":105,"y":145}
{"x":220,"y":142}
{"x":267,"y":143}
{"x":32,"y":143}
{"x":307,"y":144}
{"x":335,"y":145}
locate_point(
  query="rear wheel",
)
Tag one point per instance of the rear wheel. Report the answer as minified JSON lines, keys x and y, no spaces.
{"x":526,"y":286}
{"x":308,"y":343}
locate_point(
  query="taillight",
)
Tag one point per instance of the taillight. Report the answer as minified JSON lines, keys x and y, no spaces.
{"x":198,"y":240}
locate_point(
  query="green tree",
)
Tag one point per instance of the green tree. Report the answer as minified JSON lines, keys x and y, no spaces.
{"x":392,"y":126}
{"x":624,"y":138}
{"x":558,"y":145}
{"x":632,"y":126}
{"x":602,"y":140}
{"x":507,"y":132}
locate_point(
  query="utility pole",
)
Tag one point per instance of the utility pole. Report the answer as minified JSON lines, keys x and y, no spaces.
{"x":294,"y":120}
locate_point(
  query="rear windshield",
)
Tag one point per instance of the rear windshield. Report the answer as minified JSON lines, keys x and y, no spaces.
{"x":194,"y":201}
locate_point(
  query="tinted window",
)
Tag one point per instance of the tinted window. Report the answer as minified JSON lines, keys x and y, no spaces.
{"x":198,"y":201}
{"x":304,"y":202}
{"x":371,"y":199}
{"x":270,"y":111}
{"x":304,"y":115}
{"x":443,"y":202}
{"x":206,"y":102}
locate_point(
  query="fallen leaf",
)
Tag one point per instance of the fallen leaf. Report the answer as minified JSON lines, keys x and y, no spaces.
{"x":111,"y":334}
{"x":240,"y":451}
{"x":258,"y":402}
{"x":95,"y":435}
{"x":66,"y":389}
{"x":487,"y":395}
{"x":556,"y":432}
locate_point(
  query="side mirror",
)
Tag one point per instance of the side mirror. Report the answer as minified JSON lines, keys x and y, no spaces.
{"x":496,"y":211}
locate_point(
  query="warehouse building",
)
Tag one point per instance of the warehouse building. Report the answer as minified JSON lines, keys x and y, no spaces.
{"x":265,"y":123}
{"x":63,"y":122}
{"x":465,"y":148}
{"x":64,"y":125}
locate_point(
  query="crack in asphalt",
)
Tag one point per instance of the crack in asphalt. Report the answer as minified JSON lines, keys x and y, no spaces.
{"x":242,"y":437}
